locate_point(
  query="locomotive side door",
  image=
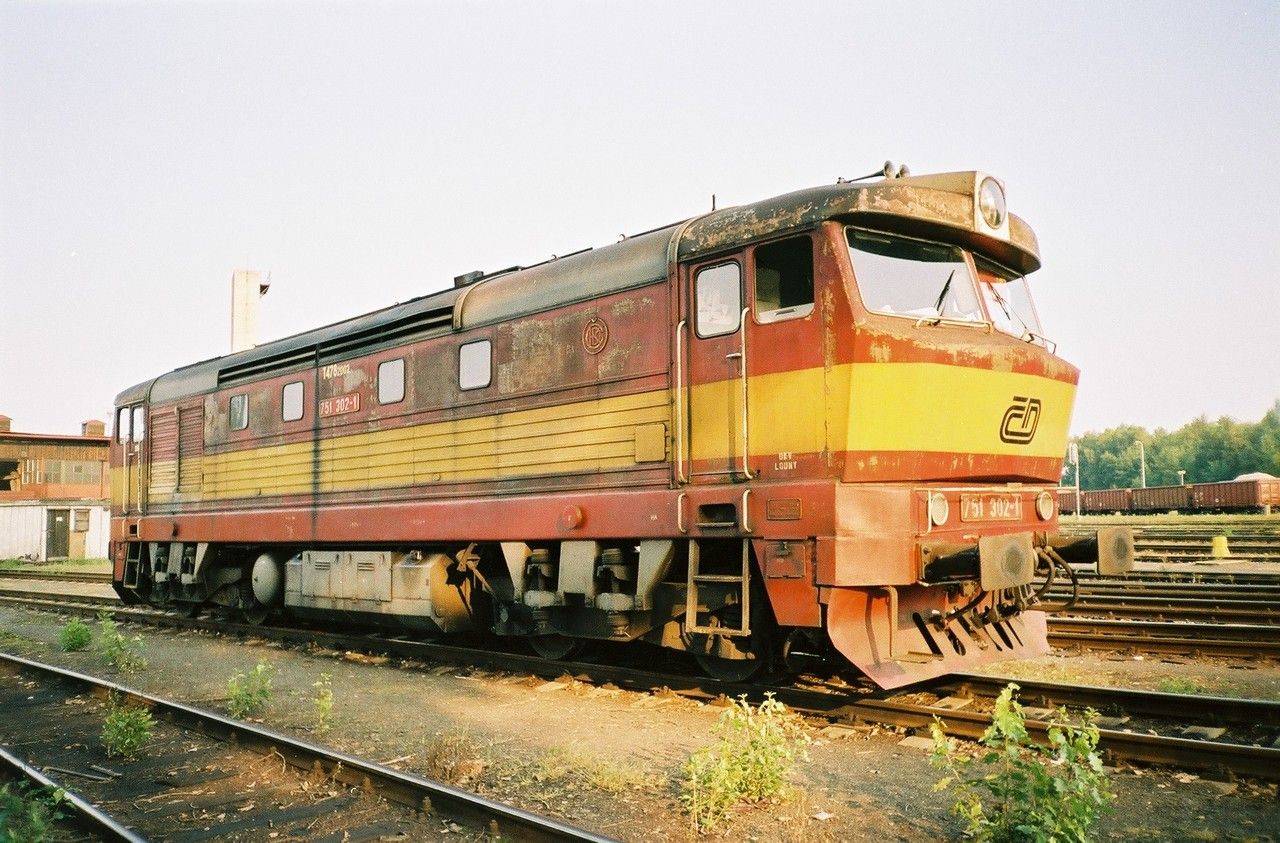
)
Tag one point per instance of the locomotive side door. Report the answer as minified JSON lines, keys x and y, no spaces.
{"x":130,"y":433}
{"x":757,"y":310}
{"x":712,"y":348}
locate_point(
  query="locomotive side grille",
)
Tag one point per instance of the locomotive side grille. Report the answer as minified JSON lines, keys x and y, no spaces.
{"x":417,"y":326}
{"x":254,"y":369}
{"x":164,"y":452}
{"x":190,"y":447}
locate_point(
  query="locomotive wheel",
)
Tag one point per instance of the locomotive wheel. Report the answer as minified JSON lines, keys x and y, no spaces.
{"x":257,"y":614}
{"x":729,"y":670}
{"x":188,"y":609}
{"x":555,"y":647}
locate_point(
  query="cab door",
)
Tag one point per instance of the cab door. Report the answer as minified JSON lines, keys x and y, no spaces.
{"x":752,"y":365}
{"x":130,"y":437}
{"x":712,"y":346}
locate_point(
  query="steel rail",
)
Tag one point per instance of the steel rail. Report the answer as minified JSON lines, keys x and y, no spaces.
{"x":88,"y":817}
{"x":1222,"y":639}
{"x":1149,"y":607}
{"x":394,"y":785}
{"x":57,"y":576}
{"x":1185,"y":753}
{"x":1216,"y":710}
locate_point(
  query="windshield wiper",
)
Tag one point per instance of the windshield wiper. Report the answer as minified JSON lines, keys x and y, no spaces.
{"x":943,"y":295}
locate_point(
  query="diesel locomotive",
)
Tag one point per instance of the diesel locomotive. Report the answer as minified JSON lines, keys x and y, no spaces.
{"x":823,"y":424}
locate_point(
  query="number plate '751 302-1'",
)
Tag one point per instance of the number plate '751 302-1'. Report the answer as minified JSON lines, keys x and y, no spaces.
{"x":991,"y":507}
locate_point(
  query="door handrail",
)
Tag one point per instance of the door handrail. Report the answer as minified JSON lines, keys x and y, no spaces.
{"x":746,"y":423}
{"x":678,"y":402}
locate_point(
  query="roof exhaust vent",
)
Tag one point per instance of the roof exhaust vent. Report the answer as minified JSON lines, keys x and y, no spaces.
{"x":468,"y":278}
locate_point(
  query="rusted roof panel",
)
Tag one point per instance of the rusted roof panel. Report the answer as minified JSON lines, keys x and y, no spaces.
{"x":939,"y":206}
{"x":422,"y":316}
{"x":631,"y":263}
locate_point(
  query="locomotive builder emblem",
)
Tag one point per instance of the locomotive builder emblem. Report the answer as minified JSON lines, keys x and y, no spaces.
{"x":595,"y":336}
{"x":1020,"y":420}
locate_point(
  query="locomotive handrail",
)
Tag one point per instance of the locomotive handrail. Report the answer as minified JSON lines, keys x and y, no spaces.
{"x":678,"y":402}
{"x":746,"y":423}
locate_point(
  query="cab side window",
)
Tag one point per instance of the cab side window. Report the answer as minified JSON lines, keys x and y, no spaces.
{"x":784,"y":279}
{"x":718,"y":292}
{"x":122,"y":425}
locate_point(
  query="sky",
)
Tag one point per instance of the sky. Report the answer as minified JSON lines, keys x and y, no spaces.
{"x":367,"y":153}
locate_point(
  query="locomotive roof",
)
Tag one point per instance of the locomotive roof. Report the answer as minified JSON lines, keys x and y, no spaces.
{"x":935,"y":206}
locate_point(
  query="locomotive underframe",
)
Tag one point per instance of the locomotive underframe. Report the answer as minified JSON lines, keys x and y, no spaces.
{"x":957,"y":600}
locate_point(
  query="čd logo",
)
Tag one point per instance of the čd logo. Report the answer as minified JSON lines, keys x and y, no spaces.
{"x":1020,"y":420}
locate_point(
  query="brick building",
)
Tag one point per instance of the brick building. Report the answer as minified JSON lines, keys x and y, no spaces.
{"x":54,"y":492}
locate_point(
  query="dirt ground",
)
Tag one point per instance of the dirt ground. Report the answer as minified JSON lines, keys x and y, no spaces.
{"x":609,"y":760}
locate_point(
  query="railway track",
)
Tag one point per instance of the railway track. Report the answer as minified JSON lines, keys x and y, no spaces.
{"x":1206,"y":734}
{"x":1229,"y":640}
{"x":1225,"y":600}
{"x":1163,"y":541}
{"x":1107,"y":617}
{"x":103,"y":577}
{"x":205,"y":776}
{"x":848,"y":703}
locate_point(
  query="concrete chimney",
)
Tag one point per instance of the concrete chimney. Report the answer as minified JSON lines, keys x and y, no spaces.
{"x":247,"y":286}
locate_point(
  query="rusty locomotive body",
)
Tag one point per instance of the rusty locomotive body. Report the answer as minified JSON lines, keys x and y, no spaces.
{"x":822,"y":423}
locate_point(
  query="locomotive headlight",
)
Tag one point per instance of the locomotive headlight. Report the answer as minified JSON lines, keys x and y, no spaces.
{"x":1044,"y":506}
{"x":939,"y":509}
{"x":991,"y":202}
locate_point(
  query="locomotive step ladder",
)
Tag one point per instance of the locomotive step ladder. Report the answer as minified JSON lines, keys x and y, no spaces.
{"x":693,"y":598}
{"x":132,"y":564}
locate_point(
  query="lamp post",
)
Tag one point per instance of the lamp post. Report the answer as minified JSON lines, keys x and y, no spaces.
{"x":1142,"y":463}
{"x":1073,"y":453}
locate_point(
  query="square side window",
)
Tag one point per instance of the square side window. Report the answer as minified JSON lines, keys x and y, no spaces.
{"x":391,"y":381}
{"x":291,"y":401}
{"x":239,"y":412}
{"x":475,"y":364}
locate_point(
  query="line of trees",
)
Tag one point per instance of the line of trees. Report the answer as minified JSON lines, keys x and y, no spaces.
{"x":1207,"y":451}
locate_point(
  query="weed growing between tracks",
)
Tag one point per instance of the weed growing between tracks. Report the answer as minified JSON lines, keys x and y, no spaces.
{"x":28,"y":811}
{"x":559,"y":764}
{"x":123,"y":654}
{"x":750,"y":763}
{"x":323,"y":702}
{"x":126,"y":729}
{"x":1037,"y":793}
{"x":75,"y":636}
{"x":250,"y":693}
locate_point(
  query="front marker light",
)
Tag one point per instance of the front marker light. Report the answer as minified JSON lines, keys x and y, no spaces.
{"x":1044,"y":506}
{"x":939,"y":509}
{"x":991,"y":202}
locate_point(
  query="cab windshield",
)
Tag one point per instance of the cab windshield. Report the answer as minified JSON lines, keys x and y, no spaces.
{"x":914,"y":278}
{"x":1008,"y":301}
